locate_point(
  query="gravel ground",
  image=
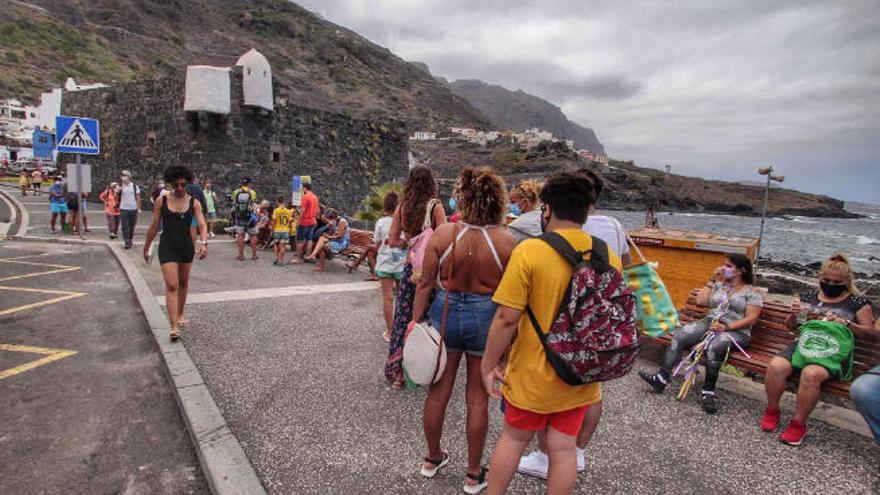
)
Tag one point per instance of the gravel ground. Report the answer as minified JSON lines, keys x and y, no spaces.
{"x":300,"y":381}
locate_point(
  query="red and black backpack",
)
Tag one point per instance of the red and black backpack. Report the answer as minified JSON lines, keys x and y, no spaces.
{"x":595,"y":336}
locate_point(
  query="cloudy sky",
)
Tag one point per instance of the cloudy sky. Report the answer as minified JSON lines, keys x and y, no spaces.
{"x":715,"y":89}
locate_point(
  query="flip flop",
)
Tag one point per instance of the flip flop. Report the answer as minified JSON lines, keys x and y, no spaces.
{"x":175,"y":334}
{"x":240,"y":258}
{"x":438,"y":464}
{"x":480,"y":482}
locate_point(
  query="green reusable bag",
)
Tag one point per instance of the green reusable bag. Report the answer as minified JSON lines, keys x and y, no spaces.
{"x":657,"y":313}
{"x":826,"y":343}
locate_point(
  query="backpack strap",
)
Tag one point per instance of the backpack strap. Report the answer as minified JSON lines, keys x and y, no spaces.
{"x":599,"y":258}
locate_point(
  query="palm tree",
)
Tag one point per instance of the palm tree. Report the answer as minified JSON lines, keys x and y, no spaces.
{"x":372,"y":210}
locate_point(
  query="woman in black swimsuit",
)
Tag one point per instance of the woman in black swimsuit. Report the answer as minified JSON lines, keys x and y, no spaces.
{"x":176,"y":250}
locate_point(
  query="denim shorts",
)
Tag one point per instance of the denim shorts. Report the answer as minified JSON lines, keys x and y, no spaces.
{"x":467,"y":321}
{"x":304,"y":233}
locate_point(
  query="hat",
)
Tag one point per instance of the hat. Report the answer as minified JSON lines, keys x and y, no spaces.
{"x":125,"y":172}
{"x":246,"y":180}
{"x":114,"y":184}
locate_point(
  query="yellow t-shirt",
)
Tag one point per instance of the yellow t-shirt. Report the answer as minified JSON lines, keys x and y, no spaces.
{"x":537,"y":276}
{"x":281,"y":219}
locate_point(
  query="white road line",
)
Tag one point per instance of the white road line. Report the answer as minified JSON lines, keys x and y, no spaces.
{"x":274,"y":292}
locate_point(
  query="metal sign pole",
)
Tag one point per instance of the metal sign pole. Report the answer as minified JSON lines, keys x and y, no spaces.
{"x":79,"y":194}
{"x":763,"y":217}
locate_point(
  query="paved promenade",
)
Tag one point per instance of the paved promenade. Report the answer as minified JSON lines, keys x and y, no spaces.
{"x":294,"y":360}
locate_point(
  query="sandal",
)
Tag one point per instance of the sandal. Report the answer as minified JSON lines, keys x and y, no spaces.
{"x":254,"y":257}
{"x":175,"y":334}
{"x":182,"y":322}
{"x":480,"y":482}
{"x":372,"y":278}
{"x":240,"y":257}
{"x":398,"y":384}
{"x":438,"y":464}
{"x":387,"y":336}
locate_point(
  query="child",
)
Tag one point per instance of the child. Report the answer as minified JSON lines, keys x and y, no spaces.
{"x":389,"y":261}
{"x":281,"y":218}
{"x":24,"y":181}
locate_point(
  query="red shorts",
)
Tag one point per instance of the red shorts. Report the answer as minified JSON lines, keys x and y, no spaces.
{"x":567,"y":422}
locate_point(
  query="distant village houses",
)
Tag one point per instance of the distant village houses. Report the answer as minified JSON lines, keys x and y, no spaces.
{"x":424,"y":136}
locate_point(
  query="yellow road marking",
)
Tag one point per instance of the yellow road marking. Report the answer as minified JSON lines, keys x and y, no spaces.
{"x":58,"y":269}
{"x":51,"y":355}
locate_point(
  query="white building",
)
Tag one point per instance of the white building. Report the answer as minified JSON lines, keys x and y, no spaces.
{"x":50,"y":107}
{"x":18,"y":121}
{"x":71,"y":85}
{"x":424,"y":136}
{"x":256,"y":80}
{"x":207,"y":90}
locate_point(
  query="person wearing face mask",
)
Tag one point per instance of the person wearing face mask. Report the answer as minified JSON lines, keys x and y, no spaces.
{"x":524,"y":203}
{"x":734,"y":306}
{"x":837,"y":299}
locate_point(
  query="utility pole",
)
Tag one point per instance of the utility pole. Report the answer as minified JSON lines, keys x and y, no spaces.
{"x":768,"y":171}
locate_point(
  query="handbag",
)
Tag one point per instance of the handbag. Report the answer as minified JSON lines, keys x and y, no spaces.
{"x":828,"y":344}
{"x":424,"y":353}
{"x":656,"y":311}
{"x":419,"y":243}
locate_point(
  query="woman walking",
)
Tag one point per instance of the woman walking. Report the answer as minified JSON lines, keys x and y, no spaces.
{"x":465,"y":261}
{"x":418,"y":204}
{"x":176,"y":251}
{"x":111,"y":208}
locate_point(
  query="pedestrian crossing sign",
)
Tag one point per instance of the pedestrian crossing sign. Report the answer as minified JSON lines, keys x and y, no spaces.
{"x":78,"y":135}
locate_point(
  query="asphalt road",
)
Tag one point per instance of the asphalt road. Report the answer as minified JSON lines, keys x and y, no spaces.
{"x":101,"y":418}
{"x":299,"y":379}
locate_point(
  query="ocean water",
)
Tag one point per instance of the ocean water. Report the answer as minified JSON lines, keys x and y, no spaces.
{"x":798,"y":239}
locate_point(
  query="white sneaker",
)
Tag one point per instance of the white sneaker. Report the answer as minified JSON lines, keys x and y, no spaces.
{"x":582,"y":465}
{"x":534,"y":464}
{"x":211,"y":235}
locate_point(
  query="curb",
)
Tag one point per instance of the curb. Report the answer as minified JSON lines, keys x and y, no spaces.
{"x":223,"y":461}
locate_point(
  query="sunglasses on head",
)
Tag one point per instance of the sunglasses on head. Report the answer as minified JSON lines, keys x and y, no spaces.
{"x":180,"y":184}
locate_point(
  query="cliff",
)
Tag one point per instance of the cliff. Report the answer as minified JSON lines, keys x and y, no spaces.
{"x":518,"y":111}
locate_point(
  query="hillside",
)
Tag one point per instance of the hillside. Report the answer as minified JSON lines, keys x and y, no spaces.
{"x":627,"y":186}
{"x":518,"y":111}
{"x":320,"y":64}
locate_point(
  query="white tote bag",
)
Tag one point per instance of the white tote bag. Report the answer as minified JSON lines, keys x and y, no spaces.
{"x":420,"y":354}
{"x":424,"y":354}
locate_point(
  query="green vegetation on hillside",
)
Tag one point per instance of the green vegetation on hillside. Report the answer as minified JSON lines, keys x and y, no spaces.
{"x":28,"y":44}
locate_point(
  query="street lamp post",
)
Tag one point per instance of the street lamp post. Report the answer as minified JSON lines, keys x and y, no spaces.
{"x":768,"y":171}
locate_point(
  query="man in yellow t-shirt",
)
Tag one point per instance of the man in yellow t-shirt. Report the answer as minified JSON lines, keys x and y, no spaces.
{"x":535,"y":398}
{"x":281,"y":220}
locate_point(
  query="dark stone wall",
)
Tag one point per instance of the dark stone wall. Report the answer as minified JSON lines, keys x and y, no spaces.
{"x":144,"y":129}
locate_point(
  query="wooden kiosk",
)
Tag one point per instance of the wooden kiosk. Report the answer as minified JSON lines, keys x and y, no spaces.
{"x":687,"y":258}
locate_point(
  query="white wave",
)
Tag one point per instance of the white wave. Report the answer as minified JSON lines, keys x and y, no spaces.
{"x":803,"y":220}
{"x":864,"y":240}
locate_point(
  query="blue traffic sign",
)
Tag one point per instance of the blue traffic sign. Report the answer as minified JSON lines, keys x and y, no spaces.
{"x":77,"y":135}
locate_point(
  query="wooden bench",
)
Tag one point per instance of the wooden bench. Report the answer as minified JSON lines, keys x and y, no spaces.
{"x":770,"y":335}
{"x":358,"y":243}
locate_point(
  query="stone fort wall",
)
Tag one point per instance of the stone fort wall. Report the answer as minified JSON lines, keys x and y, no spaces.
{"x":144,"y":129}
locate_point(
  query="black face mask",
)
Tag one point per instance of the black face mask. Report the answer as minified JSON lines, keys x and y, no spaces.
{"x":832,"y":290}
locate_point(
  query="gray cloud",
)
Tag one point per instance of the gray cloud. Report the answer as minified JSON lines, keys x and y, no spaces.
{"x":714,"y":88}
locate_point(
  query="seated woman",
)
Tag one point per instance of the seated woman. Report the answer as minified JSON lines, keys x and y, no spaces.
{"x":335,"y":242}
{"x":734,"y":306}
{"x":837,"y":299}
{"x":264,"y":226}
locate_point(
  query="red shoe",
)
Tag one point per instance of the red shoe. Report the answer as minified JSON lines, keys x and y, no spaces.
{"x":770,"y":419}
{"x":795,"y":433}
